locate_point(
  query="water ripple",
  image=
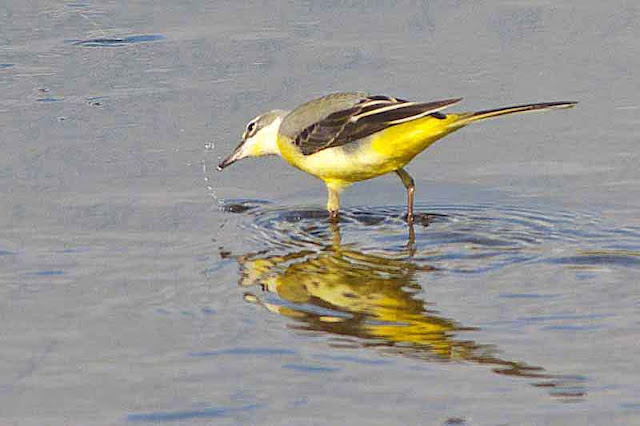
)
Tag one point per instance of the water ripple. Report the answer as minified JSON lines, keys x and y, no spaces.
{"x":358,"y":282}
{"x":460,"y":239}
{"x":205,"y":413}
{"x":118,"y":41}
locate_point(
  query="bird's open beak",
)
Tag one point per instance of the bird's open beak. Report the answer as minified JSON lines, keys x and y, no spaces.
{"x":236,"y":155}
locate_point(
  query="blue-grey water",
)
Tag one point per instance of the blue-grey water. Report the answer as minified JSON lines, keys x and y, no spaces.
{"x":140,"y":286}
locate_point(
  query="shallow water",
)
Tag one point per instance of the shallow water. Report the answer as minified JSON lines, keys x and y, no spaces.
{"x":370,"y":288}
{"x":138,"y":285}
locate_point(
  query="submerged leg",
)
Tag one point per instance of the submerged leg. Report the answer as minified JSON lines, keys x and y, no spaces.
{"x":333,"y":202}
{"x":408,"y":183}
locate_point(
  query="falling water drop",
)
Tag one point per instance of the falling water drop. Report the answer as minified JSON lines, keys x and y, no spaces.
{"x":209,"y":147}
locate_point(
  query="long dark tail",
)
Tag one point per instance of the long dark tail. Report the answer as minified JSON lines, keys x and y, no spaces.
{"x":491,"y":113}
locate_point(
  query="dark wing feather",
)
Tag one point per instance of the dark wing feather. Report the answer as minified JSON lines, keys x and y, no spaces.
{"x":371,"y":115}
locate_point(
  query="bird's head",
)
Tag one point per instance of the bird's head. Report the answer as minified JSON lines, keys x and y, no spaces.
{"x":259,"y":138}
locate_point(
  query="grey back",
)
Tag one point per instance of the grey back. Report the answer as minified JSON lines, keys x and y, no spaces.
{"x":317,"y":109}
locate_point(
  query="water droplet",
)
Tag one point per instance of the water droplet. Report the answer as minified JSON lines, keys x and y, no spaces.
{"x":206,"y":171}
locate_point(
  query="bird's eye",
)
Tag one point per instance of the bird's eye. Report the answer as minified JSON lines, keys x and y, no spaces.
{"x":251,"y":127}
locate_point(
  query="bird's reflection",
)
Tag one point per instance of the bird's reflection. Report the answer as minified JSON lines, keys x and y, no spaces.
{"x":368,"y":300}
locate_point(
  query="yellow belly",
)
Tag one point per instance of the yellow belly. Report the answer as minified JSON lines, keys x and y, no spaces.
{"x":376,"y":155}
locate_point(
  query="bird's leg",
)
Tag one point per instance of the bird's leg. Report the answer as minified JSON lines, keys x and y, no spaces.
{"x":333,"y":203}
{"x":408,"y":183}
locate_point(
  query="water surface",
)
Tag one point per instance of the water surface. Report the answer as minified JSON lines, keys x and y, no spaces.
{"x":137,"y":285}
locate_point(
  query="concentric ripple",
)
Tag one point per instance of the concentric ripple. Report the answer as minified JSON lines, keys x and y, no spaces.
{"x":455,"y":238}
{"x":358,"y":282}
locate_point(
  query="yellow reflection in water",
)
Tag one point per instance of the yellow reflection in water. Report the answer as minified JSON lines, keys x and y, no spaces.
{"x":371,"y":301}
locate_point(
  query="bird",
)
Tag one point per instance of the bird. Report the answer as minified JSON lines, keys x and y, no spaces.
{"x":347,"y":137}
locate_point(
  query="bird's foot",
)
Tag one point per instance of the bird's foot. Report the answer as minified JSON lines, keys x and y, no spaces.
{"x":409,"y":218}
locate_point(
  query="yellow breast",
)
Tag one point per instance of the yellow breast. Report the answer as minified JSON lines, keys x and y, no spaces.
{"x":373,"y":156}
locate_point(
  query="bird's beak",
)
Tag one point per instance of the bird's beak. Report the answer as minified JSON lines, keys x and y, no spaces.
{"x":236,"y":155}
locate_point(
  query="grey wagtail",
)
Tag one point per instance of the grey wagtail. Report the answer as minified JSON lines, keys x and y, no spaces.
{"x":343,"y":138}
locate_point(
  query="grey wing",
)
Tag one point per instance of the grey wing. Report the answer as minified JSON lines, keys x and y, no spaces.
{"x":368,"y":116}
